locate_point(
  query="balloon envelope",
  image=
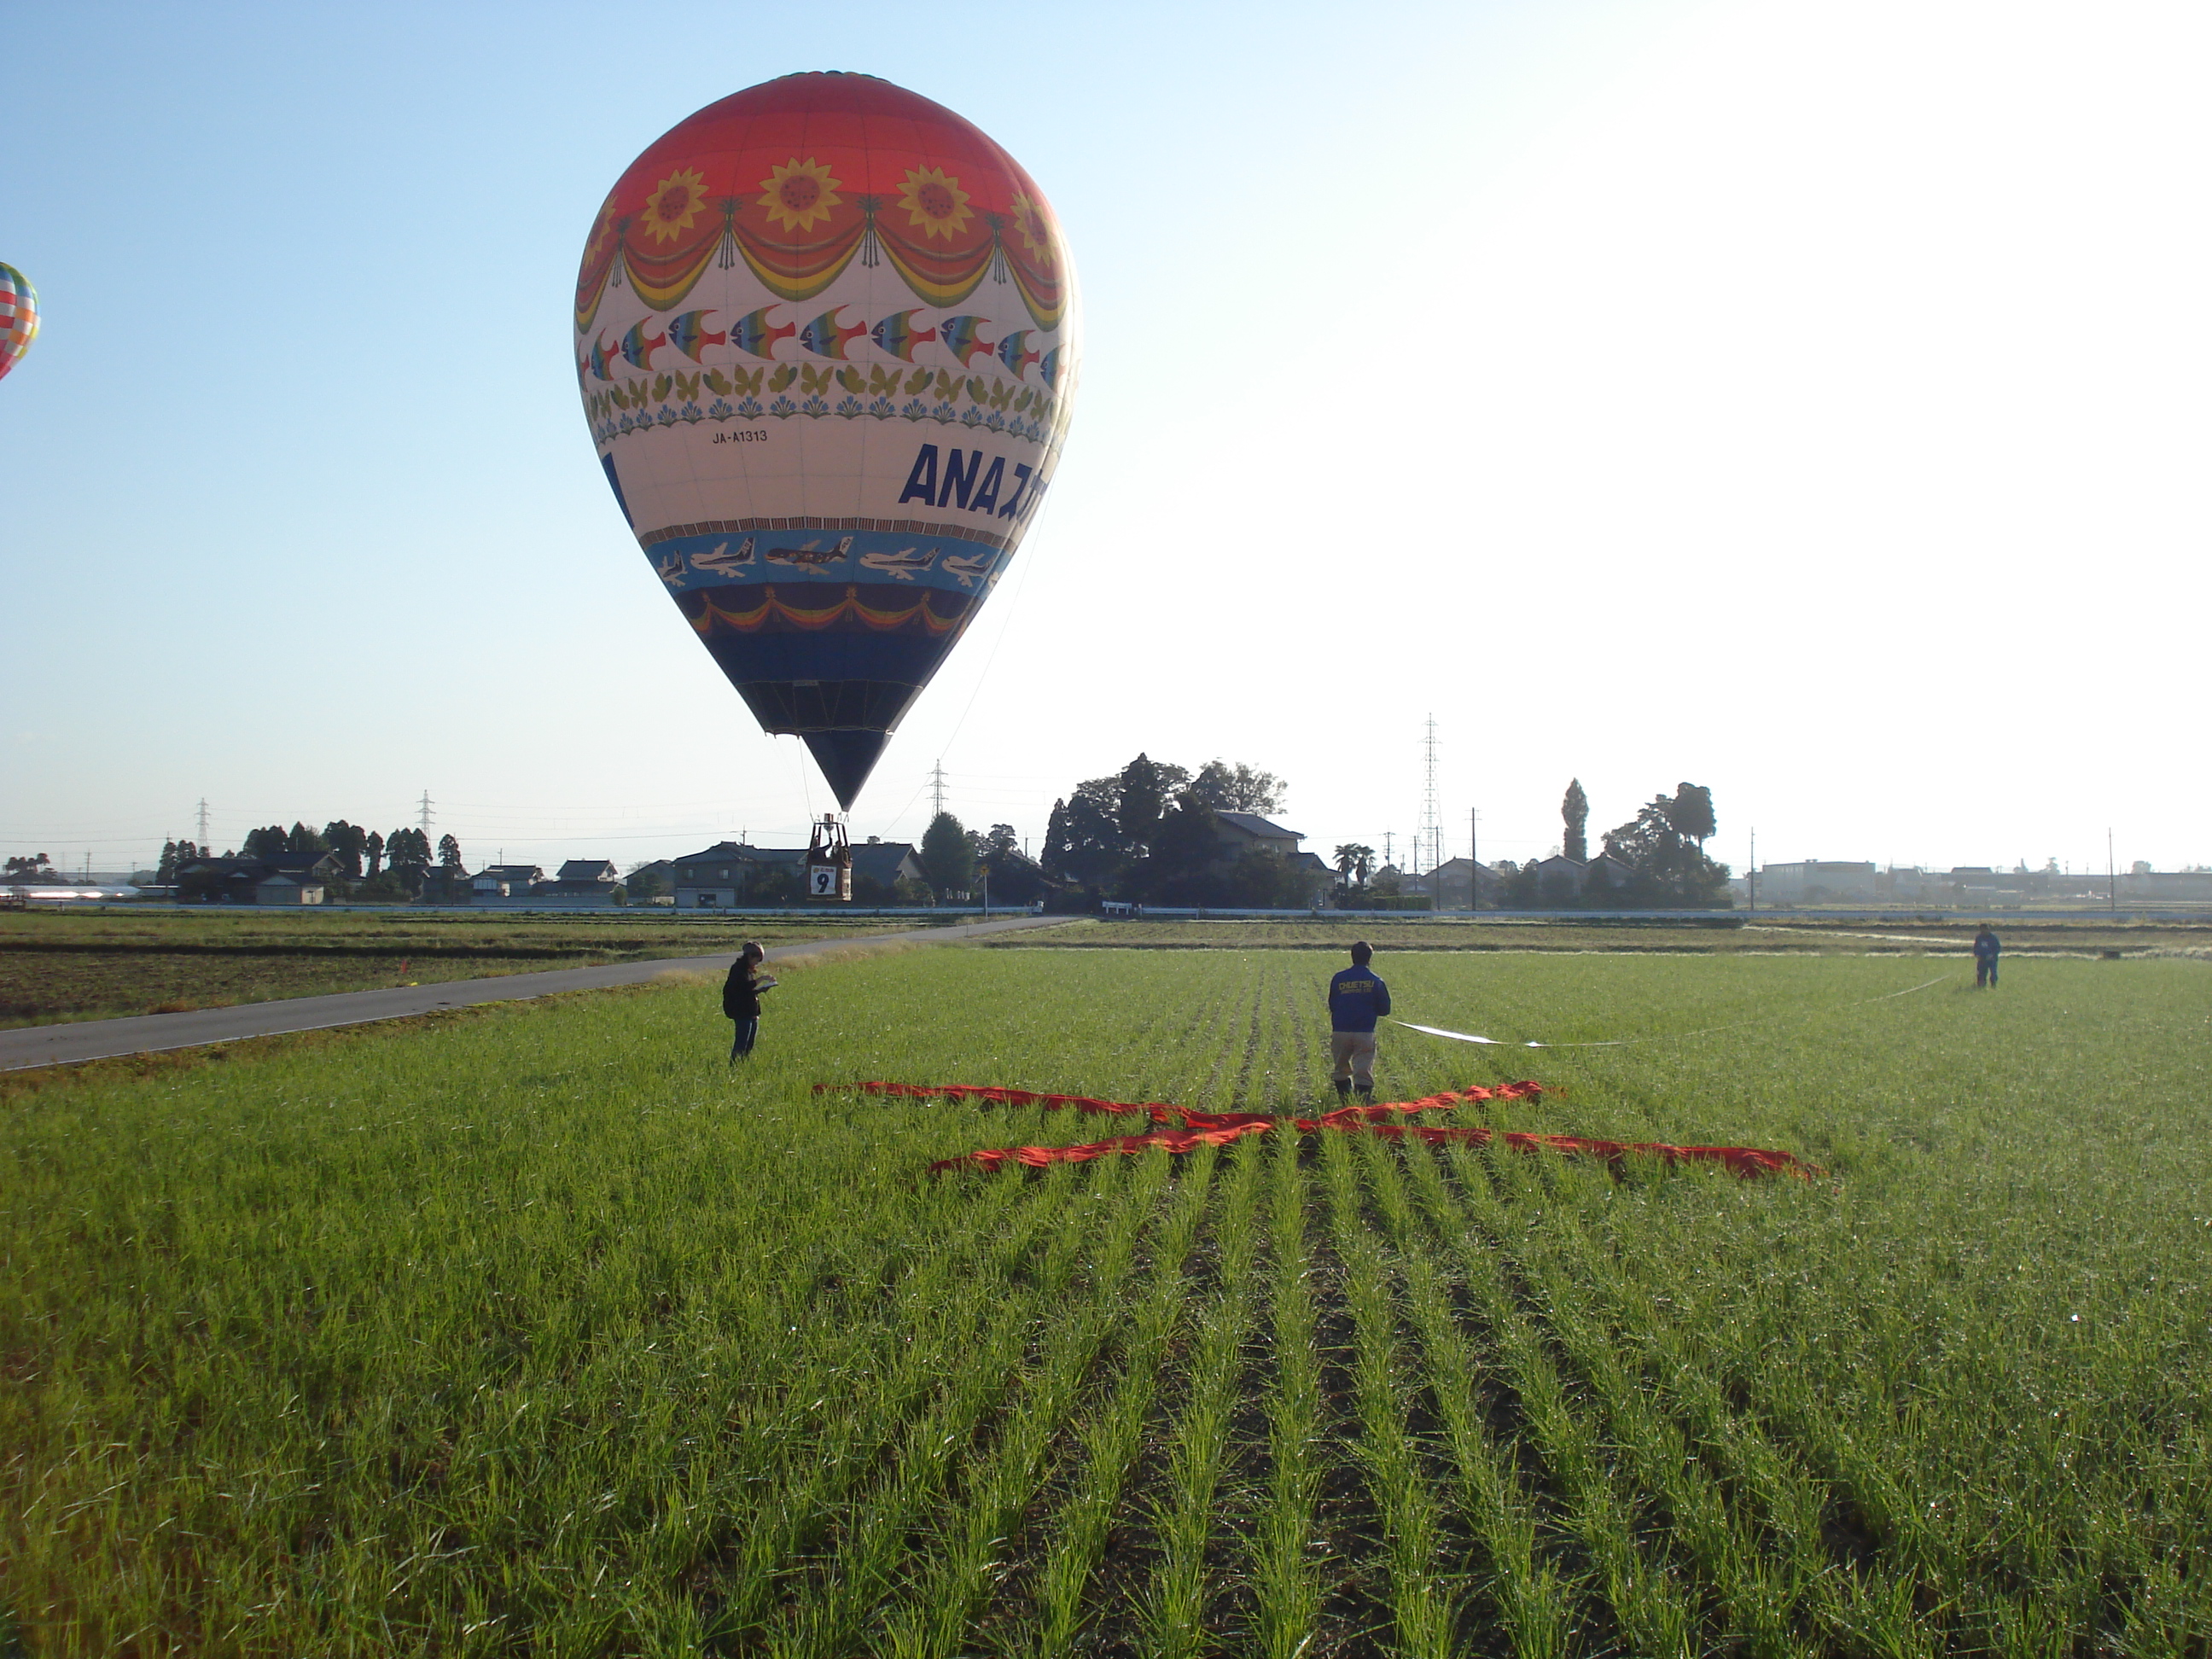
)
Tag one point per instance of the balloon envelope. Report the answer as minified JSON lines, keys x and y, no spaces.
{"x":826,"y":339}
{"x":19,"y":317}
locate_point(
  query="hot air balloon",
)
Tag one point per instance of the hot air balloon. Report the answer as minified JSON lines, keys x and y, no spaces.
{"x":826,"y":340}
{"x":19,"y":317}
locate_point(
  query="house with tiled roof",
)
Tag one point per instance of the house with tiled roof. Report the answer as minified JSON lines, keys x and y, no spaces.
{"x":581,"y":879}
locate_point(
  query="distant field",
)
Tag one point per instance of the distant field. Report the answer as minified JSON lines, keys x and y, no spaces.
{"x":1722,"y":931}
{"x":543,"y":1331}
{"x":94,"y":964}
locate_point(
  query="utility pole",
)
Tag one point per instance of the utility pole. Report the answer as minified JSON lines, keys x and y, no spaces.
{"x":1433,"y":828}
{"x":937,"y":792}
{"x":2112,"y":873}
{"x":427,"y":814}
{"x":1751,"y":874}
{"x":203,"y":824}
{"x":1386,"y":856}
{"x":1473,"y":861}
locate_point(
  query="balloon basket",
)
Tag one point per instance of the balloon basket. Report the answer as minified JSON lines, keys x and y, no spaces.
{"x":829,"y":862}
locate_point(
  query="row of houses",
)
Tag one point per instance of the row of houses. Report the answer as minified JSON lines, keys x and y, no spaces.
{"x":1836,"y":881}
{"x":1462,"y":883}
{"x":278,"y":878}
{"x":297,"y":878}
{"x":734,"y":873}
{"x":724,"y":876}
{"x":579,"y":881}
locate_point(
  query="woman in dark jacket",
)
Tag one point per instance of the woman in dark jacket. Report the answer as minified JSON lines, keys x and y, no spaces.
{"x":741,"y":995}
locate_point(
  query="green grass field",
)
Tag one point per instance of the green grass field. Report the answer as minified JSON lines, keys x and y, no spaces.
{"x":1719,"y":931}
{"x":543,"y":1331}
{"x":100,"y":963}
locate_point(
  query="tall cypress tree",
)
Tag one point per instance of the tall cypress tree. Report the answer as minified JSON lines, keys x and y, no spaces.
{"x":1575,"y":809}
{"x":1143,"y":798}
{"x":1053,"y":855}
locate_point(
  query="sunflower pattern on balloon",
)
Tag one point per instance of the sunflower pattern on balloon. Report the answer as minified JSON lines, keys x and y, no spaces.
{"x":798,"y":220}
{"x":799,"y":194}
{"x":935,"y":202}
{"x":1039,"y":238}
{"x":674,"y":206}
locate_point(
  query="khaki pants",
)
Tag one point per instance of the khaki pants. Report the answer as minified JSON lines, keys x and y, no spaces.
{"x":1353,"y":1051}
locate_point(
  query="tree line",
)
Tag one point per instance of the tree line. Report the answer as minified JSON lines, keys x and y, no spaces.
{"x":1660,"y":852}
{"x":1663,"y":846}
{"x":1150,"y":834}
{"x":368,"y":866}
{"x":955,"y":860}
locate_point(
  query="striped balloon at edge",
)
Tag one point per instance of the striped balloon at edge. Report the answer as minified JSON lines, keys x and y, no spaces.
{"x":19,"y":317}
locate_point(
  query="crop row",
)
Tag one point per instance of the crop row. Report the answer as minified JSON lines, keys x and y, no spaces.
{"x":549,"y":1332}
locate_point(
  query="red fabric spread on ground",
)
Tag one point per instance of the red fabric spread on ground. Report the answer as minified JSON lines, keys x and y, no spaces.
{"x":1220,"y":1128}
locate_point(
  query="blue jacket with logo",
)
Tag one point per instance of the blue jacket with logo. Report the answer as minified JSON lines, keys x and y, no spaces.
{"x":1356,"y":998}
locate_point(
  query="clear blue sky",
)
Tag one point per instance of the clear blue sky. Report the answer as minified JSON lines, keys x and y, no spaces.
{"x":1805,"y":402}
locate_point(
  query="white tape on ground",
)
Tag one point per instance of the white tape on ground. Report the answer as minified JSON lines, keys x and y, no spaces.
{"x":1664,"y":1036}
{"x":1456,"y":1036}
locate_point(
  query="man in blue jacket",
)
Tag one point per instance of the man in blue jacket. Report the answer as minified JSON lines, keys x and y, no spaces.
{"x":1985,"y":957}
{"x":1357,"y":999}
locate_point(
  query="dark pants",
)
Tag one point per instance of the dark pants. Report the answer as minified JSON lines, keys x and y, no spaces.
{"x":747,"y":1030}
{"x":1986,"y":973}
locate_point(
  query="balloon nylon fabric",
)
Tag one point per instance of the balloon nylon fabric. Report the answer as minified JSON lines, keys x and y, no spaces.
{"x":1220,"y":1128}
{"x":826,"y":341}
{"x":19,"y":316}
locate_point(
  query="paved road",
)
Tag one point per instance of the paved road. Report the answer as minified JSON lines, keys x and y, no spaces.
{"x":104,"y":1039}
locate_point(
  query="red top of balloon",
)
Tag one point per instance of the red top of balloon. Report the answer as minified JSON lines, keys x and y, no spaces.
{"x":798,"y":175}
